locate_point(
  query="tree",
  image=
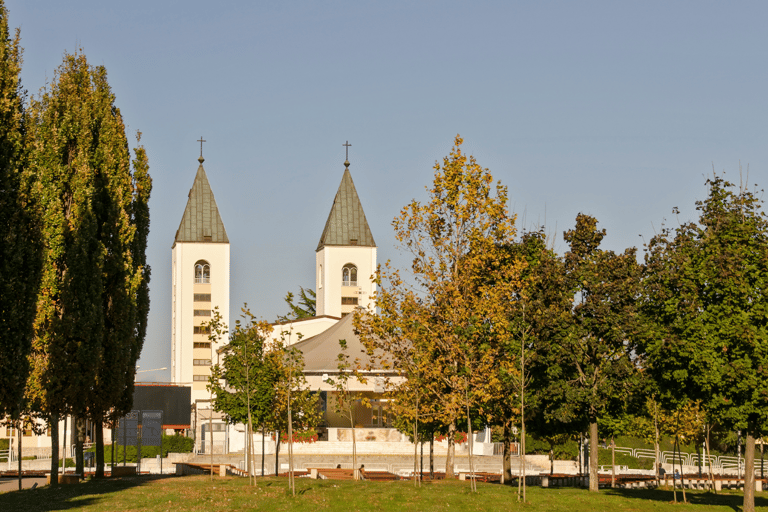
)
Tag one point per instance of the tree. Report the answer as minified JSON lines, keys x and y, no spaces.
{"x":305,"y":307}
{"x":589,"y":359}
{"x":295,"y":404}
{"x":93,"y":302}
{"x":534,"y":293}
{"x":455,"y":241}
{"x":249,"y":376}
{"x":345,"y":397}
{"x":704,"y":291}
{"x":20,"y":263}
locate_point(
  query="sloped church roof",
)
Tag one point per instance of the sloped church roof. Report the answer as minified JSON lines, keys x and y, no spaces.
{"x":346,"y":224}
{"x":201,"y":221}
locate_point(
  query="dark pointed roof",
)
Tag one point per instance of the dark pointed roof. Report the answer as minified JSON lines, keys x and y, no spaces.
{"x":346,"y":224}
{"x":201,"y":221}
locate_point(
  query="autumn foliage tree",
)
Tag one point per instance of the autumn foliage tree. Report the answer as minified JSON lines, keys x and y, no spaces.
{"x":454,"y":240}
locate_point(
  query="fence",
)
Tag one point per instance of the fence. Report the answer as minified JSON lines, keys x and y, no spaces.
{"x":717,"y":462}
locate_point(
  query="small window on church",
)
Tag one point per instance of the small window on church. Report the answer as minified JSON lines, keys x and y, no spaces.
{"x":349,"y":275}
{"x":202,"y":329}
{"x":349,"y":301}
{"x":202,"y":272}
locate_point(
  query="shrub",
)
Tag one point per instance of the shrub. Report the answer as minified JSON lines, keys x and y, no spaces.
{"x":171,"y":444}
{"x":458,"y":438}
{"x":300,"y":436}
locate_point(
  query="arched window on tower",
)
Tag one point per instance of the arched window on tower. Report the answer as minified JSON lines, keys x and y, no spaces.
{"x":202,"y":272}
{"x":349,"y":275}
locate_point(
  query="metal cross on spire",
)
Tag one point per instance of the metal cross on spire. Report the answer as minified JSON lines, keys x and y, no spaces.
{"x":347,"y":146}
{"x":201,"y":159}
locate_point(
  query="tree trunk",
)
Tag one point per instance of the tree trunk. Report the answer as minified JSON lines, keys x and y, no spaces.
{"x":99,"y":433}
{"x":432,"y":456}
{"x":290,"y":446}
{"x":21,"y":436}
{"x":507,"y":448}
{"x":79,"y":440}
{"x":522,"y":451}
{"x":277,"y":452}
{"x":354,"y":441}
{"x":64,"y":447}
{"x":749,"y":473}
{"x":593,"y":482}
{"x":709,"y":461}
{"x":472,"y":481}
{"x":449,"y":458}
{"x":656,"y":444}
{"x":613,"y":462}
{"x":263,"y":452}
{"x":415,"y":454}
{"x":55,"y":449}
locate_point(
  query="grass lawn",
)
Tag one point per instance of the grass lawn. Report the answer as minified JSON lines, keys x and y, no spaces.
{"x":199,"y":493}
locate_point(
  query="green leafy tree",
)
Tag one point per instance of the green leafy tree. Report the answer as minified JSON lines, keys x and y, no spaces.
{"x":589,"y":362}
{"x":93,"y":301}
{"x":537,"y":286}
{"x":300,"y":307}
{"x":705,"y":294}
{"x":295,"y":405}
{"x":20,"y":263}
{"x":244,"y":382}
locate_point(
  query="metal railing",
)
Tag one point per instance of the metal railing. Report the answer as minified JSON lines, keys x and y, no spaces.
{"x":717,"y":462}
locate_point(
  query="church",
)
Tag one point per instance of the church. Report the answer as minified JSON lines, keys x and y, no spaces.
{"x":345,"y":261}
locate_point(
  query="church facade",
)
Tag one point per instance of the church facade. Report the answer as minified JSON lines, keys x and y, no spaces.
{"x":345,"y":261}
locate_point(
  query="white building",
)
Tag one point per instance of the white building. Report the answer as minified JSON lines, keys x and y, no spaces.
{"x":200,"y":281}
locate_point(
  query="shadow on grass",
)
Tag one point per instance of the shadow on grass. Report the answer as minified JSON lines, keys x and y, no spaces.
{"x":66,"y":497}
{"x":733,"y":500}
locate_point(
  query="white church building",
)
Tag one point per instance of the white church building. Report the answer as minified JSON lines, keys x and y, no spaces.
{"x":345,"y":261}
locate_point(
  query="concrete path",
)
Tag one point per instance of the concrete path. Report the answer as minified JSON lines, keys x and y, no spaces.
{"x":12,"y":484}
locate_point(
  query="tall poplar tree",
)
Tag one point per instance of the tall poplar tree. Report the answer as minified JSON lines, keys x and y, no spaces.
{"x":705,"y":300}
{"x":93,"y":300}
{"x":19,"y":238}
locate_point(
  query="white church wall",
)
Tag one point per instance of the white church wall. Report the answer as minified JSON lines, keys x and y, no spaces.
{"x":329,"y":262}
{"x":184,"y":257}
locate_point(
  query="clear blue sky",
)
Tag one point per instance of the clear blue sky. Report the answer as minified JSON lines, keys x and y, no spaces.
{"x":616,"y":109}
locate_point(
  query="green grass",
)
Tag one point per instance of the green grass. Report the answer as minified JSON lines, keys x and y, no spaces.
{"x":198,"y":493}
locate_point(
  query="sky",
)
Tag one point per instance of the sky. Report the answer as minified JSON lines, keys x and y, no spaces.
{"x":619,"y":110}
